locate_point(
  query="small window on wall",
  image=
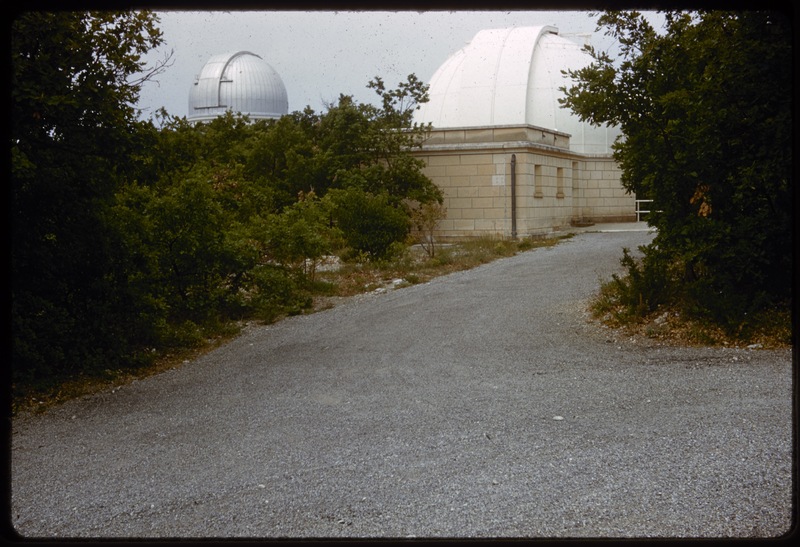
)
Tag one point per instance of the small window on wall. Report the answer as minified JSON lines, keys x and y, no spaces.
{"x":537,"y":181}
{"x":560,"y":182}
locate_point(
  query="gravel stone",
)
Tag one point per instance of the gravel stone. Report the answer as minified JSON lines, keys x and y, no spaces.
{"x":428,"y":411}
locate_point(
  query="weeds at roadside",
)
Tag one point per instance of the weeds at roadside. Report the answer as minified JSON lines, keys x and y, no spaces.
{"x":639,"y":305}
{"x":414,"y":266}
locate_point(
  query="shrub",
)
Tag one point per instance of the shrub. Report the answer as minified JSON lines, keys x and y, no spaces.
{"x":301,"y":235}
{"x":641,"y":290}
{"x":425,"y":218}
{"x":646,"y":285}
{"x":276,"y":293}
{"x":369,"y":223}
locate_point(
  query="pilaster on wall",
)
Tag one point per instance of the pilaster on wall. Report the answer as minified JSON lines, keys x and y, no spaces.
{"x":554,"y":186}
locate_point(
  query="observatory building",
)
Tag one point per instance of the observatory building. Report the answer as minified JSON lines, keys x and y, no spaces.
{"x":509,"y":159}
{"x":240,"y":82}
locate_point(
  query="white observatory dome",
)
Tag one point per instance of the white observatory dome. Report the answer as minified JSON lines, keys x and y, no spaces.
{"x":511,"y":77}
{"x":240,"y":82}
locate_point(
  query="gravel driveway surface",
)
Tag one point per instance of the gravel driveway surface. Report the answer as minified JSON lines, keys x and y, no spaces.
{"x":480,"y":404}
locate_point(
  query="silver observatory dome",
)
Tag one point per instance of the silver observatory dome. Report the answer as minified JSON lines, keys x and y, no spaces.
{"x":240,"y":82}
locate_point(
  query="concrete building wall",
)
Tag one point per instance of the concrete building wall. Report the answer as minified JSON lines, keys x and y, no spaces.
{"x":554,"y":186}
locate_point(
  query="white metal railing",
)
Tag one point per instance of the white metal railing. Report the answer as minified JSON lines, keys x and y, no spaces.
{"x":639,"y":210}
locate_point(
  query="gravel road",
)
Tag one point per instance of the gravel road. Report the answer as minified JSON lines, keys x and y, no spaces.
{"x":481,"y":404}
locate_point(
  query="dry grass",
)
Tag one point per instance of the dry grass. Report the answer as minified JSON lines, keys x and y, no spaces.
{"x":771,"y":329}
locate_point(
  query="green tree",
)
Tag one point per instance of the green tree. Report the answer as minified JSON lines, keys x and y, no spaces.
{"x":302,"y":235}
{"x":371,"y":167}
{"x":371,"y":147}
{"x":284,"y":157}
{"x":361,"y":149}
{"x":370,"y":223}
{"x":349,"y":145}
{"x":75,"y":77}
{"x":706,"y":112}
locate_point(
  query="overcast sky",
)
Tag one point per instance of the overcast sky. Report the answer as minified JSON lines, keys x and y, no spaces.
{"x":320,"y":55}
